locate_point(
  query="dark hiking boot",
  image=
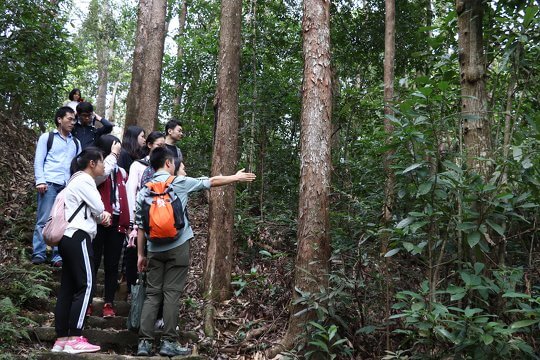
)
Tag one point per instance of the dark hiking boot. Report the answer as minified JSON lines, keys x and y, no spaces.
{"x":144,"y":348}
{"x":172,"y":348}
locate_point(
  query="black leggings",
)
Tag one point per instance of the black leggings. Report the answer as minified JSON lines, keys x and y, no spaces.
{"x":76,"y":284}
{"x":108,"y":243}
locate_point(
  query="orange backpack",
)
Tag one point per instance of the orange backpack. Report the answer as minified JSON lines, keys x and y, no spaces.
{"x":162,"y":212}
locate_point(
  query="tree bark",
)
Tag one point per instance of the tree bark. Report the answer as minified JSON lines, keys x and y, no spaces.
{"x":142,"y":102}
{"x":472,"y":63}
{"x":313,"y":254}
{"x":389,"y":60}
{"x":110,"y":110}
{"x":217,"y":274}
{"x":179,"y":86}
{"x":103,"y":56}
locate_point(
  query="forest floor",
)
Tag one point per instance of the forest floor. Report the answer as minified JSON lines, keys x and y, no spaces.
{"x":252,"y":320}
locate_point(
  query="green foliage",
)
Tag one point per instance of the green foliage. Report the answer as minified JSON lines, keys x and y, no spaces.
{"x":13,"y":327}
{"x":34,"y":53}
{"x":452,"y":325}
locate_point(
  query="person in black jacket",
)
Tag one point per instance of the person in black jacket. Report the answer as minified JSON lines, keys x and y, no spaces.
{"x":84,"y":128}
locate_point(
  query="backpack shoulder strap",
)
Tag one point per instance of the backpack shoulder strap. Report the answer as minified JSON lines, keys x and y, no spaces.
{"x":77,"y":144}
{"x":76,"y":212}
{"x":170,"y":180}
{"x":50,"y":141}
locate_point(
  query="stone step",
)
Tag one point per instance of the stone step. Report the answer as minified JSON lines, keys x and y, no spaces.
{"x":120,"y":294}
{"x":110,"y":339}
{"x":122,"y":341}
{"x":121,"y":307}
{"x":97,"y":322}
{"x":102,"y":356}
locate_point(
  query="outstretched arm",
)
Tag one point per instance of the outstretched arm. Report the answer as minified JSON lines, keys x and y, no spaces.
{"x":240,"y":176}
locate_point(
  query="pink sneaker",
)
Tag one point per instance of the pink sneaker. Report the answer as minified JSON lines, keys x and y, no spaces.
{"x":59,"y":345}
{"x":80,"y":345}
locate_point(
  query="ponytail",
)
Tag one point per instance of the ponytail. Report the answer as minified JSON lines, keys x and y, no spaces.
{"x":81,"y":161}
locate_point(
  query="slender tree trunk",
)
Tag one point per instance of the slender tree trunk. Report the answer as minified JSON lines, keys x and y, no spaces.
{"x":476,"y":129}
{"x":112,"y":102}
{"x":143,"y":98}
{"x":389,"y":59}
{"x":251,"y":157}
{"x":103,"y":56}
{"x":179,"y":55}
{"x":313,"y":254}
{"x":219,"y":258}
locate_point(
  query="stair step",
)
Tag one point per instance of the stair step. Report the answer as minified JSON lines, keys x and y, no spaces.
{"x":120,"y":294}
{"x":109,"y":339}
{"x":102,"y":356}
{"x":57,"y":274}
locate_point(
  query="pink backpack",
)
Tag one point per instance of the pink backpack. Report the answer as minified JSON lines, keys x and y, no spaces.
{"x":56,"y":225}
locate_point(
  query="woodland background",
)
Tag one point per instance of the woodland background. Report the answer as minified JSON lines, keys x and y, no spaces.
{"x":431,"y":231}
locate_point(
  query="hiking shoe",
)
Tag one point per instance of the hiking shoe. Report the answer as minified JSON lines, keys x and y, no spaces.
{"x":172,"y":348}
{"x":38,"y":260}
{"x":144,"y":348}
{"x":108,"y":311}
{"x":80,"y":345}
{"x":89,"y":310}
{"x":59,"y":345}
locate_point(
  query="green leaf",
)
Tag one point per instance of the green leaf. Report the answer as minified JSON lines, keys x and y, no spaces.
{"x":412,"y":167}
{"x":470,"y":312}
{"x":424,"y":188}
{"x":444,"y":333}
{"x":473,"y":238}
{"x":466,"y":226}
{"x":517,"y":153}
{"x":332,"y":332}
{"x":392,"y":252}
{"x":265,"y":253}
{"x":498,"y":228}
{"x":515,"y":295}
{"x":487,"y":339}
{"x":524,"y":323}
{"x":530,"y":13}
{"x":457,"y":296}
{"x":478,"y":267}
{"x":405,"y":222}
{"x":366,"y":329}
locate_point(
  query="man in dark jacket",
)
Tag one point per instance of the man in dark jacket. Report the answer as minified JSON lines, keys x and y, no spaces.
{"x":84,"y":128}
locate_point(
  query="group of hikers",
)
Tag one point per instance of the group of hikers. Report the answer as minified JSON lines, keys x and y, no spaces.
{"x":120,"y":197}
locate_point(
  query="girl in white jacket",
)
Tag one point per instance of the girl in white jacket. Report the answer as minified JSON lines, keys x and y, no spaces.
{"x":76,"y":250}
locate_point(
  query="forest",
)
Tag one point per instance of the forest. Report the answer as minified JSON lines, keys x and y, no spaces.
{"x":397,"y":151}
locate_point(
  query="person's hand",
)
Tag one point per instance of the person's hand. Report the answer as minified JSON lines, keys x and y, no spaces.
{"x":96,"y":116}
{"x":41,"y":188}
{"x":243,"y":176}
{"x":106,"y":218}
{"x":142,"y":263}
{"x":116,"y":147}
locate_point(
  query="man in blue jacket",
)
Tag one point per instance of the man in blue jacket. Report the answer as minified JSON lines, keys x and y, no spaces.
{"x":54,"y":152}
{"x":84,"y":129}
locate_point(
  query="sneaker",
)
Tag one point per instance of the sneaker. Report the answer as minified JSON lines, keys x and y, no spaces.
{"x":38,"y":260}
{"x":89,"y":310}
{"x":80,"y":345}
{"x":59,"y":345}
{"x":108,"y":311}
{"x":144,"y":348}
{"x":57,"y":264}
{"x":172,"y":348}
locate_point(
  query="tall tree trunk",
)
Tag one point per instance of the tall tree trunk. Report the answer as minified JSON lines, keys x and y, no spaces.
{"x":313,"y":253}
{"x":389,"y":60}
{"x":472,"y":63}
{"x":112,"y":102}
{"x":103,"y":56}
{"x":219,"y":258}
{"x":179,"y":54}
{"x":143,"y":98}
